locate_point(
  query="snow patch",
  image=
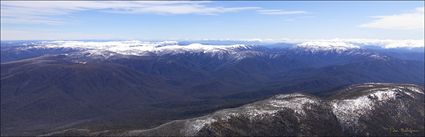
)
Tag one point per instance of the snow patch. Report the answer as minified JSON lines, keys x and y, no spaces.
{"x":348,"y":112}
{"x":196,"y":125}
{"x":296,"y":104}
{"x":290,"y":95}
{"x":417,"y":90}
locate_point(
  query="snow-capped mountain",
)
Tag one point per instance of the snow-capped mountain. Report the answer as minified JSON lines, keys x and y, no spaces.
{"x":235,"y":49}
{"x":354,"y":111}
{"x":137,"y":48}
{"x":361,"y":43}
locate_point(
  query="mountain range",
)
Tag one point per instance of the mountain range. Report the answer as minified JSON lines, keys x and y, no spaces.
{"x":49,"y":86}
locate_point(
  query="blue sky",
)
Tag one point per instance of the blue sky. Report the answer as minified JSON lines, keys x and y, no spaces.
{"x":145,"y":20}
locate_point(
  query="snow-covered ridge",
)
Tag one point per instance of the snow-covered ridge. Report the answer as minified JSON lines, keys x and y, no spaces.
{"x":259,"y":110}
{"x":138,"y":48}
{"x":349,"y":110}
{"x":236,"y":49}
{"x":388,"y":44}
{"x":324,"y":44}
{"x":343,"y":44}
{"x":346,"y":44}
{"x":327,"y":45}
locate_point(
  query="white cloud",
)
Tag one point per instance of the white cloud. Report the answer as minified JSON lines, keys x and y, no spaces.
{"x":280,"y":12}
{"x":404,"y":21}
{"x":50,"y":35}
{"x":47,"y":12}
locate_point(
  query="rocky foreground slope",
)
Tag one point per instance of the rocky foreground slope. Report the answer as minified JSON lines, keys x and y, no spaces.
{"x":373,"y":109}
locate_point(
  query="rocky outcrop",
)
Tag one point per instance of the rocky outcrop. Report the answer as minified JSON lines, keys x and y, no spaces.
{"x":373,"y":109}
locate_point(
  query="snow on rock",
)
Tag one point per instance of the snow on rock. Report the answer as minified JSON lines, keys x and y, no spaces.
{"x":296,"y":103}
{"x":194,"y":126}
{"x":417,"y":90}
{"x":349,"y":110}
{"x":258,"y":110}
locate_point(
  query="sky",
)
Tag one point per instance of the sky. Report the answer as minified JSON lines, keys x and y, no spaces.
{"x":195,"y":20}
